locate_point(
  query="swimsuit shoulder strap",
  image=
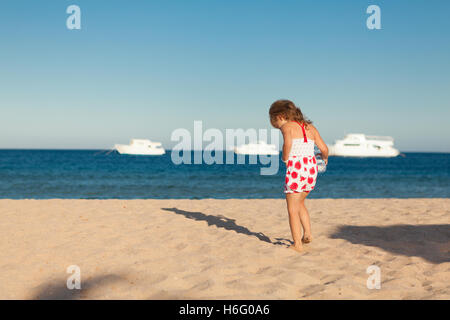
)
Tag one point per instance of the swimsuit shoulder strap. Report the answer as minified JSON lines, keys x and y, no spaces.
{"x":304,"y":132}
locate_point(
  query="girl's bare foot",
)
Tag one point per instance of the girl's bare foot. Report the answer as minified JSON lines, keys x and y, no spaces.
{"x":307,"y":239}
{"x":296,"y":247}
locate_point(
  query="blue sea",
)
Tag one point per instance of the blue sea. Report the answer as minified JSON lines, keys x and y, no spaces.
{"x":93,"y":174}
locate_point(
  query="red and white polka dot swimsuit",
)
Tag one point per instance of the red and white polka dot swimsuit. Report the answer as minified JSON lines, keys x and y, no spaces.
{"x":301,"y":167}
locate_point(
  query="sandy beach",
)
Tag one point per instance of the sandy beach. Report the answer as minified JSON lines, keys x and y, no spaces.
{"x":223,"y":249}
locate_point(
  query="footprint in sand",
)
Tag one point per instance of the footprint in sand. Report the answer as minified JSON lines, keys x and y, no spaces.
{"x":332,"y":278}
{"x":263,"y":270}
{"x":313,"y":289}
{"x":202,"y":285}
{"x":305,"y":250}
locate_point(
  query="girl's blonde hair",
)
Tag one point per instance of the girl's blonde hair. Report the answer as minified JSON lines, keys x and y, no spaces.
{"x":288,"y":110}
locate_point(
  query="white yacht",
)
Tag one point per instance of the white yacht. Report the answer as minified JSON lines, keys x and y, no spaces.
{"x":259,"y":148}
{"x":140,"y":147}
{"x":360,"y":145}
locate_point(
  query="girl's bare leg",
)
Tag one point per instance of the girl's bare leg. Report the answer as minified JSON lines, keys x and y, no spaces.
{"x":304,"y":218}
{"x":293,"y":205}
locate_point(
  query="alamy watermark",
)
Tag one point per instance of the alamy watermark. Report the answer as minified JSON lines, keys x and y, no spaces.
{"x":74,"y":280}
{"x":220,"y":147}
{"x":374,"y":20}
{"x":374,"y":279}
{"x":74,"y":20}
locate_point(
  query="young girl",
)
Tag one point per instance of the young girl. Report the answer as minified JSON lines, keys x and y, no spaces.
{"x":301,"y":168}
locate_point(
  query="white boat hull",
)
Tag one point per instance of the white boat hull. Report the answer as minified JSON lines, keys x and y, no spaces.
{"x":357,"y":152}
{"x":251,"y":153}
{"x":255,"y":149}
{"x":360,"y":145}
{"x":126,"y":149}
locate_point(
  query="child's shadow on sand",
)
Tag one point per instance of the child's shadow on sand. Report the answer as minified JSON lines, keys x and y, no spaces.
{"x":226,"y":223}
{"x":431,"y":242}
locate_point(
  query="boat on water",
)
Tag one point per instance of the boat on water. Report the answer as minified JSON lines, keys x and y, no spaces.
{"x":140,"y":147}
{"x":361,"y":145}
{"x":259,"y":148}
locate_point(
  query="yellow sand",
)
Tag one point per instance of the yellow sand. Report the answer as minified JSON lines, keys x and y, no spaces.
{"x":223,"y":249}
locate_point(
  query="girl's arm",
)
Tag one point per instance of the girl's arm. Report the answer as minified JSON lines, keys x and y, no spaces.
{"x":287,"y":144}
{"x":320,"y":144}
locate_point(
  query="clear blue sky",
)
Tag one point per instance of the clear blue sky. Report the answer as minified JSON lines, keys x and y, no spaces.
{"x":144,"y":68}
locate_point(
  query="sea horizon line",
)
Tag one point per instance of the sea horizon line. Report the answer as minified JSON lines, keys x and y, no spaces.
{"x":167,"y":150}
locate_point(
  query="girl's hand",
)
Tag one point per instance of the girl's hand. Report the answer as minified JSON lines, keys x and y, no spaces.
{"x":324,"y":159}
